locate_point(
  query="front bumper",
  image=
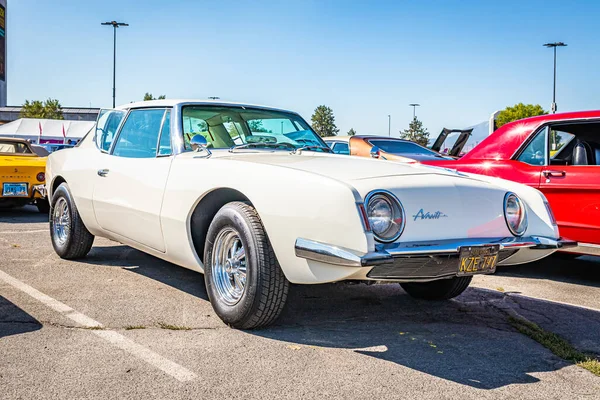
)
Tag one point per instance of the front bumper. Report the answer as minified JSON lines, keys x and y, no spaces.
{"x":420,"y":260}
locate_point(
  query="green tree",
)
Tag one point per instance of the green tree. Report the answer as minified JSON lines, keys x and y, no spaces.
{"x":256,"y":125}
{"x":323,"y":121}
{"x":148,"y":96}
{"x":49,"y":109}
{"x":416,"y":133}
{"x":351,"y":132}
{"x":518,"y":111}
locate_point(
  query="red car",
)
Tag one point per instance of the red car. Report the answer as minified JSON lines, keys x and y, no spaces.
{"x":558,"y":154}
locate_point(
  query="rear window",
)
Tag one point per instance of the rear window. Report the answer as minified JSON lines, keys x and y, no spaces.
{"x":400,"y":147}
{"x":14,"y":148}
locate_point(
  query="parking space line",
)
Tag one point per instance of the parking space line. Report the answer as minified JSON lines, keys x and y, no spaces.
{"x":12,"y":232}
{"x":169,"y":367}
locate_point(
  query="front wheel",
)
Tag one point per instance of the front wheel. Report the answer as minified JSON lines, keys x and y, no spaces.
{"x":244,"y":281}
{"x":443,"y":289}
{"x":70,"y":237}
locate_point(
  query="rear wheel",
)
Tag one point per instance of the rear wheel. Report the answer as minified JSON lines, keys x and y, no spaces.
{"x":245,"y":284}
{"x":443,"y":289}
{"x":70,"y":237}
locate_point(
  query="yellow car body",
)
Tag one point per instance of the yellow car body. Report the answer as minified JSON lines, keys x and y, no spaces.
{"x":22,"y":175}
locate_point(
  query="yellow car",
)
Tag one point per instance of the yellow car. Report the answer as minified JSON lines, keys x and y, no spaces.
{"x":22,"y":175}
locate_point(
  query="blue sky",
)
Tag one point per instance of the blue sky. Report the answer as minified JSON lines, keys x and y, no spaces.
{"x":461,"y":60}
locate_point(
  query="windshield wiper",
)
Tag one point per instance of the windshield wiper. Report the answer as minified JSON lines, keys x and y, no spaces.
{"x":282,"y":145}
{"x":313,"y":147}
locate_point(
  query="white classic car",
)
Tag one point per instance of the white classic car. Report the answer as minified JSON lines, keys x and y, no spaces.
{"x":254,"y":199}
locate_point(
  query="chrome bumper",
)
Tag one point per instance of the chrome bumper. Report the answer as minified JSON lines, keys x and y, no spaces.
{"x":41,"y":189}
{"x":385,"y":254}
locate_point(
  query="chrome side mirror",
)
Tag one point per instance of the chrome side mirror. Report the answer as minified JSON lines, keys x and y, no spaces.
{"x":199,"y":143}
{"x":375,"y":152}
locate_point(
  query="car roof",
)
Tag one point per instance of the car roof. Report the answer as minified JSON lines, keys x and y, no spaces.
{"x":347,"y":138}
{"x":12,"y":139}
{"x":208,"y":102}
{"x":505,"y":141}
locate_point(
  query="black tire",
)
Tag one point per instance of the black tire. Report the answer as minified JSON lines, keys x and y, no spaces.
{"x":443,"y":289}
{"x":266,"y":288}
{"x":78,"y":240}
{"x":43,"y":206}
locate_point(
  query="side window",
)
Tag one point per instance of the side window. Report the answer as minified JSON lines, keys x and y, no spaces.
{"x":139,"y":135}
{"x":535,"y":153}
{"x":341,"y":148}
{"x":164,"y":146}
{"x":106,"y":128}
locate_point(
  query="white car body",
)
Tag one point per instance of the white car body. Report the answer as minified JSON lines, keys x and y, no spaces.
{"x":307,"y":202}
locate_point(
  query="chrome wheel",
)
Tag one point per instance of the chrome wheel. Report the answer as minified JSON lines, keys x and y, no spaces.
{"x":229,"y":266}
{"x":61,"y":221}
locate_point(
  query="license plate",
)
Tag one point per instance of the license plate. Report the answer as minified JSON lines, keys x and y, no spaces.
{"x":15,"y":190}
{"x":478,"y":260}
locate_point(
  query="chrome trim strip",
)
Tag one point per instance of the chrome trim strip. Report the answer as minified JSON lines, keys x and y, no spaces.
{"x":337,"y":255}
{"x":588,"y":249}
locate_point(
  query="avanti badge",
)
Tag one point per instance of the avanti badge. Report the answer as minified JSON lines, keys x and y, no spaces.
{"x":428,"y":215}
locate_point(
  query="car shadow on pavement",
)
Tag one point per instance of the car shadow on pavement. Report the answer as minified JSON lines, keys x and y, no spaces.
{"x":14,"y":321}
{"x":135,"y":261}
{"x":23,"y":215}
{"x":581,"y":271}
{"x":467,"y":340}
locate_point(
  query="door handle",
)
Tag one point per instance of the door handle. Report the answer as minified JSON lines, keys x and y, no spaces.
{"x":548,"y":174}
{"x":103,"y":172}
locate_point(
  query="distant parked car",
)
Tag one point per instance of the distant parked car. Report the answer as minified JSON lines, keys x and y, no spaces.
{"x":52,"y":147}
{"x":22,"y":175}
{"x":382,"y":147}
{"x":558,"y":154}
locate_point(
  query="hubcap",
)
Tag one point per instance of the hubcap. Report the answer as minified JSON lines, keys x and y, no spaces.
{"x":61,"y":221}
{"x":229,"y":266}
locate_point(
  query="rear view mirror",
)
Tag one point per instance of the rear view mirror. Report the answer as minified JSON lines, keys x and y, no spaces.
{"x":375,"y":152}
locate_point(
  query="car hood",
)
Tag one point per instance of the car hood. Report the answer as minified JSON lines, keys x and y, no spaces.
{"x":339,"y":167}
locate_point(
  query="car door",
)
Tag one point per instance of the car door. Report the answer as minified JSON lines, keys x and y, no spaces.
{"x":574,"y":190}
{"x":131,"y":178}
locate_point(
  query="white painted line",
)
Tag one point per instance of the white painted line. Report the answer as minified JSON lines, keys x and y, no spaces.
{"x":156,"y":360}
{"x":35,"y":231}
{"x":167,"y":366}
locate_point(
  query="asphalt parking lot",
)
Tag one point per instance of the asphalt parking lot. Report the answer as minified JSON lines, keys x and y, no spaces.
{"x":122,"y":324}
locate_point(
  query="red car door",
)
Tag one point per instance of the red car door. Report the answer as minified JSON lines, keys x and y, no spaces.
{"x":574,"y":193}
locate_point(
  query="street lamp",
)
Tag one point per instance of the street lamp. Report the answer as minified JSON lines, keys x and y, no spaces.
{"x":414,"y":106}
{"x":554,"y":46}
{"x":115,"y":25}
{"x":389,"y":125}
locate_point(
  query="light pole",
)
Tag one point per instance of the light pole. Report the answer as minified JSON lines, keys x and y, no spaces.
{"x":115,"y":25}
{"x":414,"y":106}
{"x":554,"y":46}
{"x":389,"y":125}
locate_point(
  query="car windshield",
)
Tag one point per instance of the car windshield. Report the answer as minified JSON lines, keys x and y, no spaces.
{"x":401,"y":147}
{"x":14,"y":147}
{"x":229,"y":127}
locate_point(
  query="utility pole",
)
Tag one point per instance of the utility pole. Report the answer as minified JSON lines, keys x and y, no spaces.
{"x":554,"y":46}
{"x":389,"y":125}
{"x":115,"y":25}
{"x":414,"y":106}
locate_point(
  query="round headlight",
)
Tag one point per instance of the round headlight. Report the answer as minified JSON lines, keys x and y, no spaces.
{"x":386,"y":215}
{"x":515,"y":214}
